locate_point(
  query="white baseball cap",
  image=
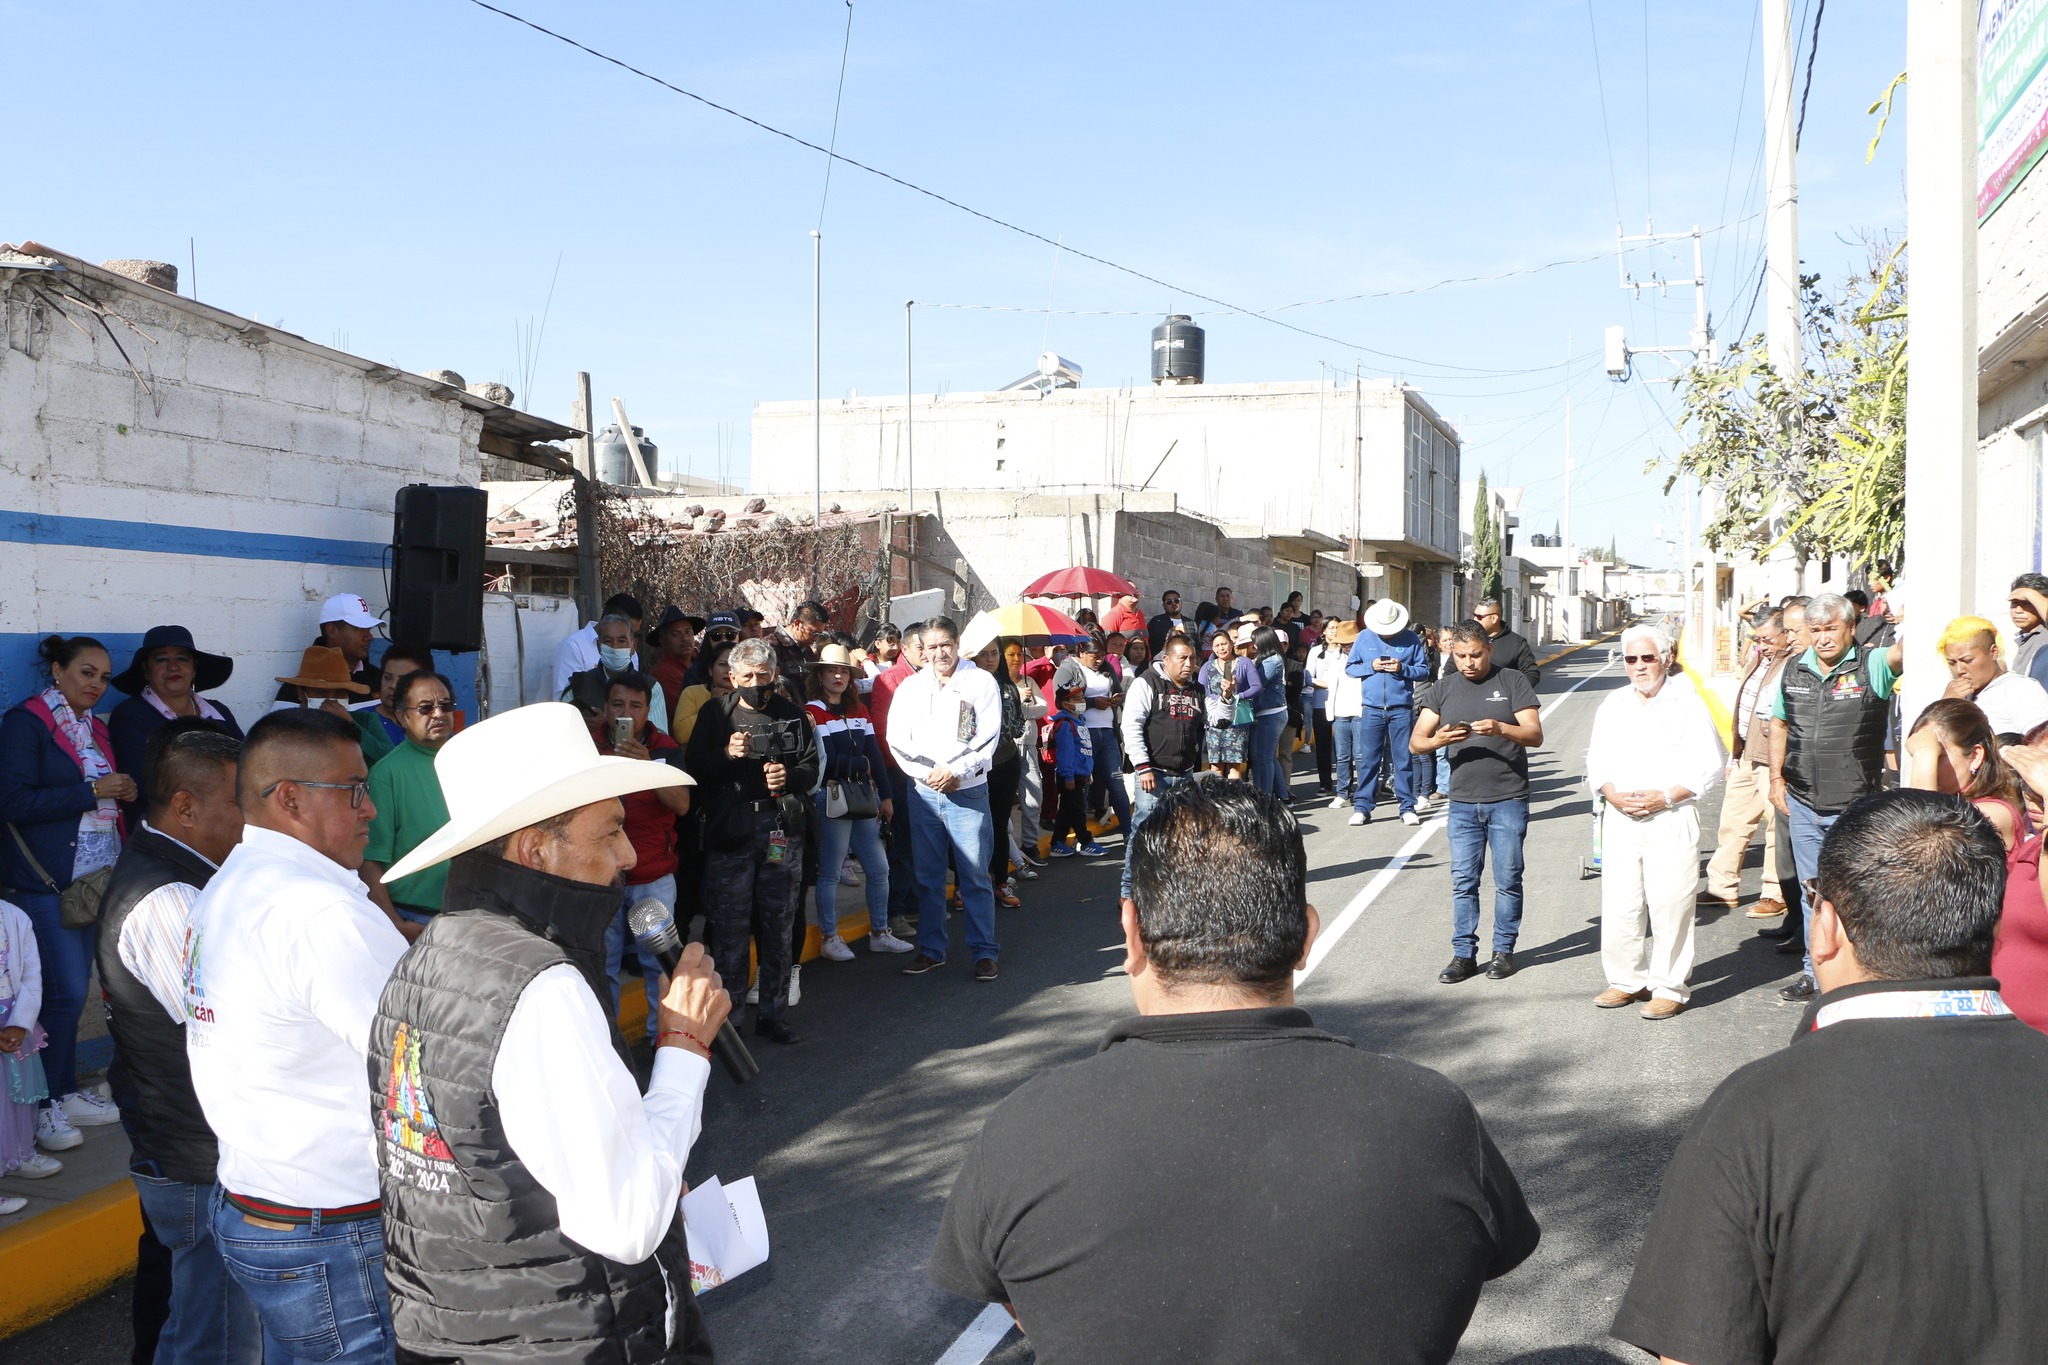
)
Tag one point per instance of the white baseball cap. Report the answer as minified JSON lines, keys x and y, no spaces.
{"x":349,"y":609}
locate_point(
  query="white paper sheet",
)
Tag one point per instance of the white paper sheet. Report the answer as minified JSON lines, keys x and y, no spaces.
{"x":726,"y":1231}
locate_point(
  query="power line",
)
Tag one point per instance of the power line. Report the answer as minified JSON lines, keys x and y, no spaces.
{"x":1741,"y":103}
{"x":989,"y":218}
{"x":1812,"y":46}
{"x":838,"y":98}
{"x":1600,"y":83}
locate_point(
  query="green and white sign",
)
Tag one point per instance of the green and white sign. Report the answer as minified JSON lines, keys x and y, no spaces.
{"x":2012,"y":96}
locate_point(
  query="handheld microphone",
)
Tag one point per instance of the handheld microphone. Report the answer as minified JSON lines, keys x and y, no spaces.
{"x":654,"y":928}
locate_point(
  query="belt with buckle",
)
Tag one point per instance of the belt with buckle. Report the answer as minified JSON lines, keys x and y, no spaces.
{"x":266,"y":1214}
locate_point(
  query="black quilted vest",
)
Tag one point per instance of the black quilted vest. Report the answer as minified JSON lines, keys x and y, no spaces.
{"x":150,"y":1078}
{"x":478,"y":1268}
{"x":1834,"y":734}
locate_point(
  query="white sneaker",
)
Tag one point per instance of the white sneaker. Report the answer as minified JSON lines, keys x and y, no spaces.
{"x":1338,"y":803}
{"x":12,"y":1204}
{"x":89,"y":1109}
{"x":754,"y":993}
{"x":54,"y":1132}
{"x":883,"y":941}
{"x":1357,"y":818}
{"x":38,"y":1167}
{"x":835,"y":948}
{"x":1027,"y":872}
{"x":796,"y":982}
{"x":1409,"y":817}
{"x":849,"y":875}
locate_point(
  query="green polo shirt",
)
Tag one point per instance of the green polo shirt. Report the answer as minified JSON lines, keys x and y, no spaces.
{"x":1881,"y":675}
{"x":407,"y":794}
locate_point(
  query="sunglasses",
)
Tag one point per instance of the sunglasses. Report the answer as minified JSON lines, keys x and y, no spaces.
{"x":428,"y":708}
{"x":356,"y":790}
{"x":1642,"y":658}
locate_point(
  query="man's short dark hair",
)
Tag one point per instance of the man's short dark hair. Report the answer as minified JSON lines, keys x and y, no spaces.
{"x":623,"y":604}
{"x":411,"y":653}
{"x":939,"y":625}
{"x":1470,"y":632}
{"x":2038,"y":582}
{"x":1177,"y":640}
{"x":811,"y":610}
{"x":1486,"y":602}
{"x":1918,"y":879}
{"x":412,"y":682}
{"x":283,"y":735}
{"x":1220,"y":879}
{"x":636,"y":680}
{"x":186,"y":755}
{"x":1860,"y":599}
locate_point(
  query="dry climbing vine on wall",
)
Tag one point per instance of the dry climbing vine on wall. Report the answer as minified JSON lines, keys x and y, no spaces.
{"x":767,"y":562}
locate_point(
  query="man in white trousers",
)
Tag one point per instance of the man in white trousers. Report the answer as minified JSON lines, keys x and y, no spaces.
{"x":1654,"y":752}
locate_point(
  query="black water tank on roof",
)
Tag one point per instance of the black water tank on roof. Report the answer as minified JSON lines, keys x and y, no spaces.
{"x":1177,"y":351}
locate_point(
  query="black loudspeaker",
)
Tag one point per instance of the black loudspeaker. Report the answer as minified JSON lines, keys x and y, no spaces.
{"x":437,"y":567}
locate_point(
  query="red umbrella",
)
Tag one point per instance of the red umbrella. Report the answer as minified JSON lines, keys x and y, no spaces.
{"x":1080,"y":581}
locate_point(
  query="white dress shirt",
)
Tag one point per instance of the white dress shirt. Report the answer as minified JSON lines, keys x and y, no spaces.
{"x":2014,"y":704}
{"x":954,"y":722}
{"x":612,"y":1159}
{"x":576,"y":654}
{"x":155,"y":935}
{"x":287,"y":960}
{"x":1657,"y":743}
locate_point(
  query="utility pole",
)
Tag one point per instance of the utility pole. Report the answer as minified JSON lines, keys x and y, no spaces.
{"x":1781,"y":149}
{"x":817,"y":386}
{"x":1568,"y":588}
{"x":585,"y":481}
{"x":1357,"y":458}
{"x":1941,"y":329}
{"x":909,"y":458}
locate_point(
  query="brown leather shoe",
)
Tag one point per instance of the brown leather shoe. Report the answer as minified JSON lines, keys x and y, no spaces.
{"x":1770,"y":909}
{"x":1661,"y":1008}
{"x":1707,"y":899}
{"x":1614,"y":997}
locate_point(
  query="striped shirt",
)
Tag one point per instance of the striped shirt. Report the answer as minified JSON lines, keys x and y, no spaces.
{"x":155,"y":935}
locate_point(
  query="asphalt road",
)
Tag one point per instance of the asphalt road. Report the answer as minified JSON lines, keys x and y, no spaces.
{"x":855,"y":1133}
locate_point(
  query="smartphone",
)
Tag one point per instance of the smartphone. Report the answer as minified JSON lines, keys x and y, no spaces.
{"x":622,"y":730}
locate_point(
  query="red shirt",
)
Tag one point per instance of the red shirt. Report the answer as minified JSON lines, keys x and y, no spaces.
{"x":881,"y":694}
{"x":668,"y":671}
{"x":650,"y":826}
{"x":1125,"y":619}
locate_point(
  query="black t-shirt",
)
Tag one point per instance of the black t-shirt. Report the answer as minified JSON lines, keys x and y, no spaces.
{"x":1234,"y":1186}
{"x":1877,"y":1191}
{"x":1484,"y":767}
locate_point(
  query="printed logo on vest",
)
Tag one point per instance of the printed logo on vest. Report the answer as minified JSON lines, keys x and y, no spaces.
{"x":417,"y":1152}
{"x":1848,"y":687}
{"x":196,"y":1008}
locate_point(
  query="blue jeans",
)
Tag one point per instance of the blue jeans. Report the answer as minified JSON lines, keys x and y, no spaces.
{"x":412,"y":916}
{"x":1349,"y":776}
{"x":1476,"y":826}
{"x":319,"y":1290}
{"x":956,"y":823}
{"x":1267,"y":773}
{"x":662,"y":889}
{"x":1443,"y":773}
{"x":67,"y":966}
{"x":865,"y":838}
{"x":1141,"y":811}
{"x":1809,"y":828}
{"x":1109,"y":774}
{"x":212,"y":1321}
{"x":1383,"y":738}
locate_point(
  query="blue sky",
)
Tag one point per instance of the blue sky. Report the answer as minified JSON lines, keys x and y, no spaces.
{"x":401,"y":180}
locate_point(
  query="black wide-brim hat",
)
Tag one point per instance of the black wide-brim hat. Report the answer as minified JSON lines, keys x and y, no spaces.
{"x":669,"y":617}
{"x":208,"y":670}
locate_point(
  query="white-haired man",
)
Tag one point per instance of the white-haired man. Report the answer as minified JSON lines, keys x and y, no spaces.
{"x":1654,"y":752}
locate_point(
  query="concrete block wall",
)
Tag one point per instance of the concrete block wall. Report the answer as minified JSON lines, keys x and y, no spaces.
{"x":231,"y":489}
{"x":1195,"y":557}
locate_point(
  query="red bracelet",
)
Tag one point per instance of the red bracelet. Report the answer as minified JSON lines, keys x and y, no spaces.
{"x":697,"y":1042}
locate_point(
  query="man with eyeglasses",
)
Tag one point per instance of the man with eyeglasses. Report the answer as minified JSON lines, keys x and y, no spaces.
{"x":408,"y":798}
{"x":287,"y":959}
{"x":1745,"y":801}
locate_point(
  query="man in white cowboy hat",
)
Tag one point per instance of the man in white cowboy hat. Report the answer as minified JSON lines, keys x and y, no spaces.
{"x":530,"y":1192}
{"x":1388,"y":659}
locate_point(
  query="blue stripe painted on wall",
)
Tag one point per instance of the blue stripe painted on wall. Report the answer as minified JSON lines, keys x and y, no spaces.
{"x":22,"y":674}
{"x":98,"y":533}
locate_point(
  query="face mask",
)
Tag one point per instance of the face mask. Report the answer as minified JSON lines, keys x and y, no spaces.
{"x":617,"y":660}
{"x":756,"y":696}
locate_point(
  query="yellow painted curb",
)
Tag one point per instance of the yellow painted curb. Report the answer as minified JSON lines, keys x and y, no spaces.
{"x":57,"y":1259}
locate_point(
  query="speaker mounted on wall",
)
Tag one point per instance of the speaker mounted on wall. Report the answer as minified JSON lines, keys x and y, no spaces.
{"x":437,"y":567}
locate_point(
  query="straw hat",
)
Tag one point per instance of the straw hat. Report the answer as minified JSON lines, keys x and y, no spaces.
{"x":519,"y":768}
{"x":1343,"y":631}
{"x":1386,"y":617}
{"x":323,"y":669}
{"x":835,"y":655}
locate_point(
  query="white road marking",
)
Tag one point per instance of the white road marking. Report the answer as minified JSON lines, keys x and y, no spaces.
{"x":987,"y":1330}
{"x":980,"y":1338}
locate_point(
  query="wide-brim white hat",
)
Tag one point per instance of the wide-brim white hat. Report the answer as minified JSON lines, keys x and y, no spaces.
{"x":1386,"y":617}
{"x":522,"y":767}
